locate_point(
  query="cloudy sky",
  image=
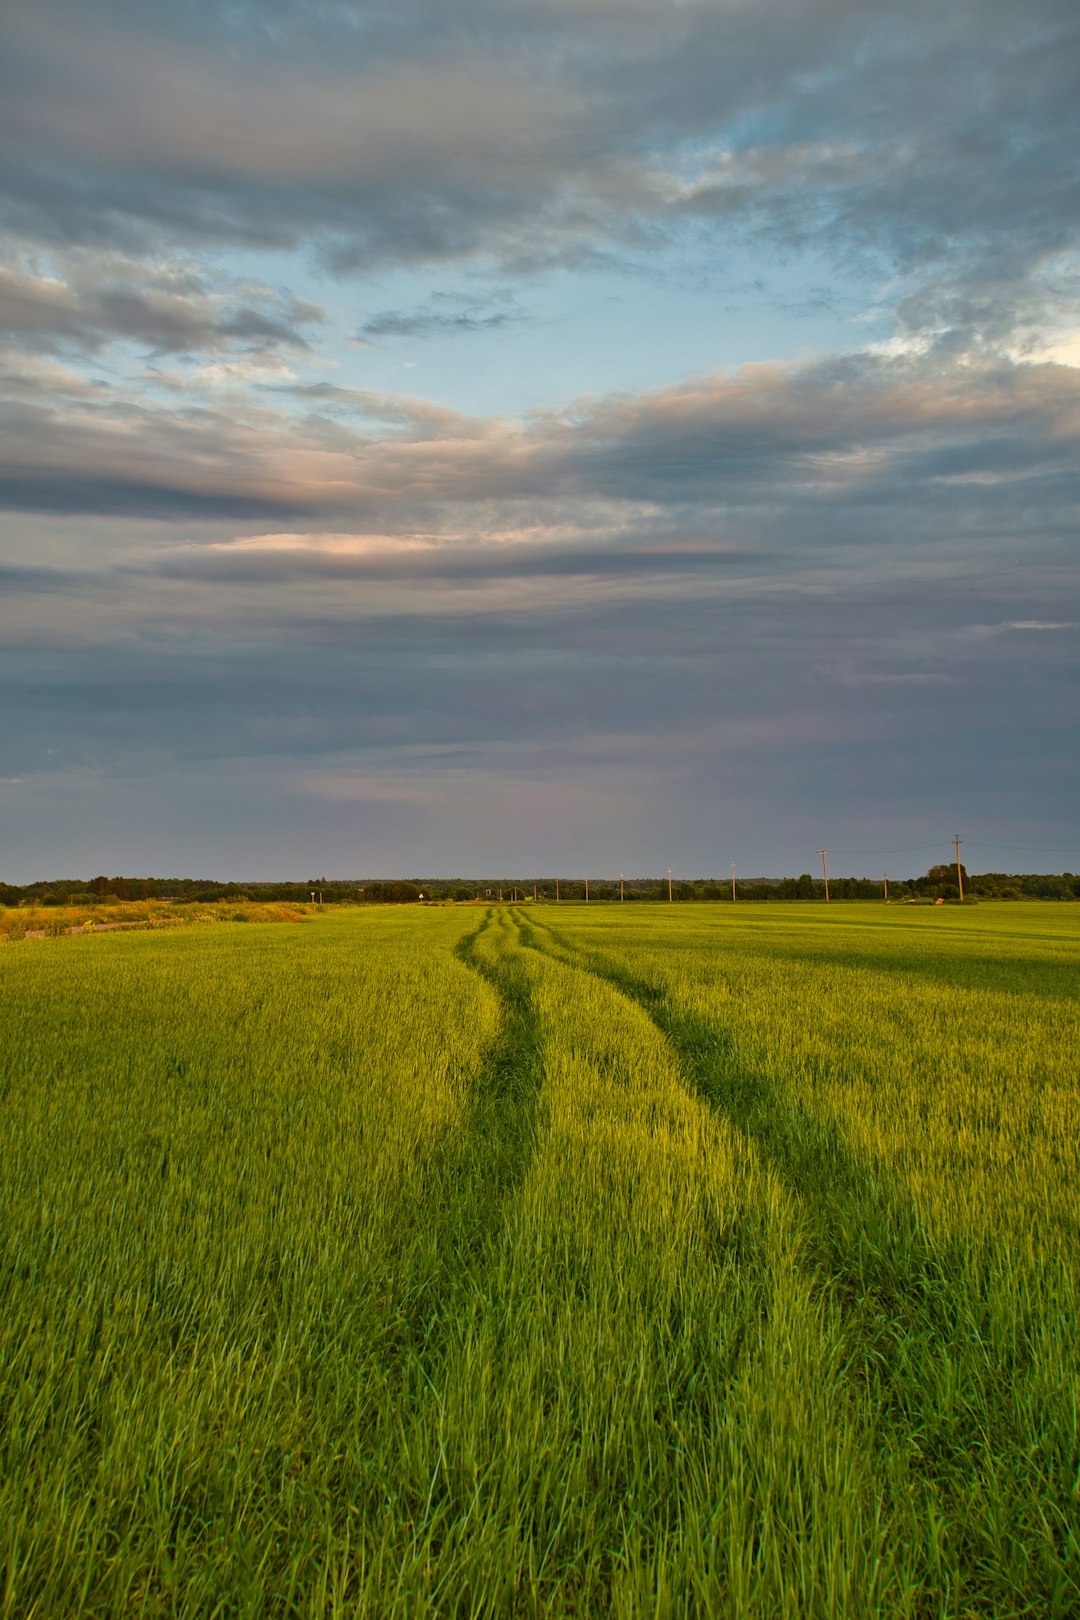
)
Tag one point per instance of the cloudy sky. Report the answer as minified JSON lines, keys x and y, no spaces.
{"x":462,"y":436}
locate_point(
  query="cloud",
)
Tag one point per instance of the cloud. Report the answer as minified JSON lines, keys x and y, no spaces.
{"x":34,"y":377}
{"x":167,"y":308}
{"x":444,"y":315}
{"x":935,"y":144}
{"x":840,"y":438}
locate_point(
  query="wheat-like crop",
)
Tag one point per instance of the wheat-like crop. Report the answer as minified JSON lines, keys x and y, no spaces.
{"x":543,"y":1260}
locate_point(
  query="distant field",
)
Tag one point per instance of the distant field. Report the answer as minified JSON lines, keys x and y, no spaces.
{"x":552,"y":1260}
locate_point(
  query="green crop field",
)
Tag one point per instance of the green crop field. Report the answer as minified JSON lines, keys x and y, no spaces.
{"x":554,"y":1260}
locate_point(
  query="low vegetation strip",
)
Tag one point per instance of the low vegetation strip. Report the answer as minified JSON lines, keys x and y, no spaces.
{"x":542,"y":1261}
{"x":55,"y":922}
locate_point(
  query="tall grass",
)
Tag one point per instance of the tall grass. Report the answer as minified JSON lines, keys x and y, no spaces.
{"x":218,"y":1151}
{"x":542,"y":1261}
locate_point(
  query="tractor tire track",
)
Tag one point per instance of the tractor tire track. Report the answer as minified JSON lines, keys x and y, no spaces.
{"x":475,"y":1172}
{"x":500,"y":1132}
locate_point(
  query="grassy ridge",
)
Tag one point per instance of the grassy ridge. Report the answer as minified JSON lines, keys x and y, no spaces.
{"x":542,"y":1261}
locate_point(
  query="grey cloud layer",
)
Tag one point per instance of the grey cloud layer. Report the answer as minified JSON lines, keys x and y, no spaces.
{"x":835,"y":434}
{"x":943,"y":143}
{"x":276,"y":699}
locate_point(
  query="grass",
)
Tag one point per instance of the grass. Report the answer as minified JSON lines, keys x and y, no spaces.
{"x":544,"y":1260}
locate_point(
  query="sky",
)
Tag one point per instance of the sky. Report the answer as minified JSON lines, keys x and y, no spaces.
{"x":475,"y":436}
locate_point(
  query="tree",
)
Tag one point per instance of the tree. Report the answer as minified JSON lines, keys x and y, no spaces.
{"x":940,"y":882}
{"x":398,"y":893}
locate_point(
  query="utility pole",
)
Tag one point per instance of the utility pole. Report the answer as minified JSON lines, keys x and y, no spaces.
{"x":886,"y":888}
{"x":534,"y":888}
{"x":586,"y":891}
{"x":957,"y":841}
{"x":733,"y":882}
{"x":622,"y":889}
{"x":669,"y":885}
{"x":556,"y":888}
{"x":825,"y":868}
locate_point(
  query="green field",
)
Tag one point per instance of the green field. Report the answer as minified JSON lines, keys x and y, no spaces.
{"x":551,"y":1260}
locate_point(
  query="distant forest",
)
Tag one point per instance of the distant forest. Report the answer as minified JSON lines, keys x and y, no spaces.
{"x":939,"y":883}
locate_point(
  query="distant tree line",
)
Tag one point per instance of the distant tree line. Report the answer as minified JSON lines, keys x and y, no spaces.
{"x":84,"y":891}
{"x":939,"y":883}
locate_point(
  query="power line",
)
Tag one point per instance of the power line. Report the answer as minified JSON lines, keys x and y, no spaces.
{"x":1030,"y":849}
{"x":901,"y":849}
{"x":983,"y":843}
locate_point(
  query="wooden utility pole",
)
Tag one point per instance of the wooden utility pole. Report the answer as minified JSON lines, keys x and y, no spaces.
{"x":586,"y":891}
{"x":534,"y":888}
{"x":622,"y":889}
{"x":733,"y":882}
{"x":957,"y":841}
{"x":886,"y":888}
{"x":669,"y":885}
{"x":825,"y":868}
{"x":556,"y":888}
